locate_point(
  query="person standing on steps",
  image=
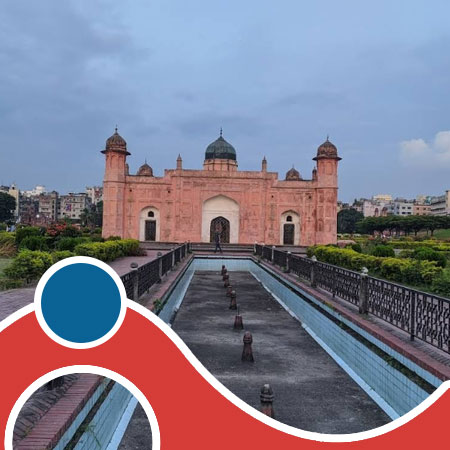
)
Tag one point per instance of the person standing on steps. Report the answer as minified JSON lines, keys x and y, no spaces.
{"x":217,"y":240}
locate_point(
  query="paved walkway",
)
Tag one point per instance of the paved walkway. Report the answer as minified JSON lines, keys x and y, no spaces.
{"x":138,"y":435}
{"x":12,"y":300}
{"x":311,"y":391}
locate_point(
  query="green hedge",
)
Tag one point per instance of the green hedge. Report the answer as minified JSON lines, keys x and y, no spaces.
{"x":23,"y":232}
{"x":34,"y":243}
{"x":441,"y":284}
{"x":396,"y":269}
{"x":109,"y":250}
{"x":28,"y":265}
{"x":69,"y":243}
{"x":384,"y":251}
{"x":412,"y":245}
{"x":7,"y":244}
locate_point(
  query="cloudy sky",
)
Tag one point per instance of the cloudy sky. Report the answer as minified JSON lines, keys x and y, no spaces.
{"x":277,"y":76}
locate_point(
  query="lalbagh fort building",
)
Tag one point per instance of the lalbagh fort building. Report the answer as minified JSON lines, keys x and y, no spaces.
{"x":243,"y":206}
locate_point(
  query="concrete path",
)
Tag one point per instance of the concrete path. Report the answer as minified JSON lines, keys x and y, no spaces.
{"x":12,"y":300}
{"x":311,"y":391}
{"x":138,"y":435}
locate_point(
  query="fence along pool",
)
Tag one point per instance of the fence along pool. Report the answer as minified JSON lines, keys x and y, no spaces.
{"x":424,"y":316}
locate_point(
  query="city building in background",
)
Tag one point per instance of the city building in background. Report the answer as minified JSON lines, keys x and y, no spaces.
{"x":71,"y":206}
{"x":440,"y":205}
{"x":95,"y":193}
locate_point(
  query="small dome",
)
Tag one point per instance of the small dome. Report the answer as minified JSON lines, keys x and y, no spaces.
{"x":327,"y":150}
{"x":293,"y":175}
{"x":116,"y":143}
{"x":220,"y":149}
{"x":145,"y":171}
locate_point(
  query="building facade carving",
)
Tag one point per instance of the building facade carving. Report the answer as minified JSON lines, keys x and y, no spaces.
{"x":243,"y":206}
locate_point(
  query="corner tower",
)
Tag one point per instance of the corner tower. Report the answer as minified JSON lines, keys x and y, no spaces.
{"x":220,"y":155}
{"x":326,"y":199}
{"x":114,"y":185}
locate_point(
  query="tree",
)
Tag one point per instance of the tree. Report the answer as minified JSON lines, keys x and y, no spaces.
{"x":7,"y":207}
{"x":347,"y":219}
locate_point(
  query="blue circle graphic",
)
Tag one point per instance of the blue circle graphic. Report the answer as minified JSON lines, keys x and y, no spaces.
{"x":80,"y":303}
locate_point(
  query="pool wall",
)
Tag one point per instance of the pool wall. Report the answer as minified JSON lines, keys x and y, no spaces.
{"x":395,"y":392}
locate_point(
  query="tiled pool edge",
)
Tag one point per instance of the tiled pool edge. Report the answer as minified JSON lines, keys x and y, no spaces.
{"x":394,"y":381}
{"x":355,"y":377}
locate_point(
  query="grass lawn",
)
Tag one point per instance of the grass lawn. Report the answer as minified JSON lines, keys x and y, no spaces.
{"x":442,"y":234}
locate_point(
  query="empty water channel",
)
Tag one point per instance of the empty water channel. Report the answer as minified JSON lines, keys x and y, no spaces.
{"x":328,"y":375}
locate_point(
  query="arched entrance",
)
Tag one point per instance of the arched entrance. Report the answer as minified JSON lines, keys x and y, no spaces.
{"x":222,"y":226}
{"x":290,"y":228}
{"x":149,"y":227}
{"x":223,"y":211}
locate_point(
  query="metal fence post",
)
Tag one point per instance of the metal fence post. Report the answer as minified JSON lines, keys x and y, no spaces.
{"x":135,"y":278}
{"x":313,"y":271}
{"x":412,"y":329}
{"x":363,"y":291}
{"x":160,"y":267}
{"x":273,"y":251}
{"x":173,"y":259}
{"x":254,"y":248}
{"x":288,"y":262}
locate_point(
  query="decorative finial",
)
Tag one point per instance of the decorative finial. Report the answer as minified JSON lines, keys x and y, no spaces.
{"x":115,"y":129}
{"x":328,"y":136}
{"x":145,"y":161}
{"x":220,"y":131}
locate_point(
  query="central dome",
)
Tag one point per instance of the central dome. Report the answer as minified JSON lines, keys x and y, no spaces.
{"x":220,"y":149}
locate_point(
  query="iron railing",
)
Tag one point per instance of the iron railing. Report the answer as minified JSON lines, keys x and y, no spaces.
{"x":424,"y":316}
{"x":141,"y":279}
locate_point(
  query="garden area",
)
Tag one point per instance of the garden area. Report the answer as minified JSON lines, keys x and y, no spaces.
{"x":29,"y":251}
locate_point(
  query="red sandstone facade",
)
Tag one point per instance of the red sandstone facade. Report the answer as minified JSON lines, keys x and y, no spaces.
{"x":243,"y":206}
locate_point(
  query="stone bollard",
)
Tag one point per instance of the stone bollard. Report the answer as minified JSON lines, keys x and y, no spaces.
{"x":223,"y":271}
{"x":229,"y":290}
{"x":225,"y":274}
{"x":227,"y":280}
{"x":267,"y":401}
{"x":247,"y":353}
{"x":233,"y":304}
{"x":272,"y":254}
{"x":135,"y":277}
{"x":238,"y":323}
{"x":363,"y":291}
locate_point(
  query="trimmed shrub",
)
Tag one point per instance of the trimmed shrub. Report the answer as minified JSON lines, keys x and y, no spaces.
{"x":34,"y":243}
{"x":59,"y":255}
{"x":28,"y":265}
{"x":7,"y":244}
{"x":23,"y":232}
{"x":6,"y":283}
{"x":433,"y":244}
{"x":109,"y":250}
{"x":69,"y":243}
{"x":3,"y":226}
{"x":70,"y":231}
{"x":441,"y":284}
{"x":384,"y":251}
{"x":427,"y":253}
{"x":395,"y":269}
{"x":356,"y":247}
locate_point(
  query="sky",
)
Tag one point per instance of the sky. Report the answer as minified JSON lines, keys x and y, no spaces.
{"x":277,"y":76}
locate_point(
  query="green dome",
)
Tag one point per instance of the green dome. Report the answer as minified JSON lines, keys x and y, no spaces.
{"x":220,"y":149}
